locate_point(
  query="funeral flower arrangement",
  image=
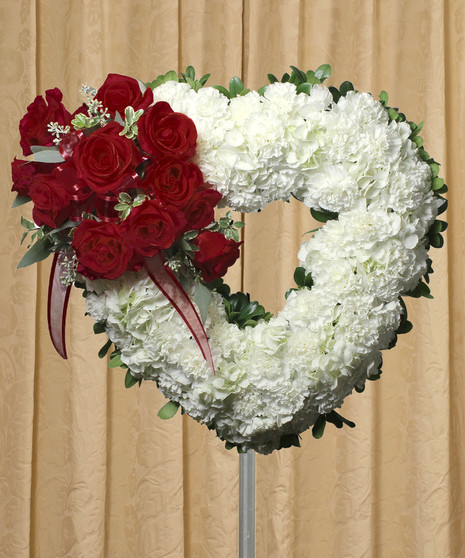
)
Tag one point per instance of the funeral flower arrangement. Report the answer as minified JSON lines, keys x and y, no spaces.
{"x":124,"y":191}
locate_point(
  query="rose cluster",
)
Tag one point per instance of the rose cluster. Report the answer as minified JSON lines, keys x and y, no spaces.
{"x":102,"y":162}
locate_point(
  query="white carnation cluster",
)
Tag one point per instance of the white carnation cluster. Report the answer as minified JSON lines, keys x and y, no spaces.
{"x":253,"y":149}
{"x":276,"y":378}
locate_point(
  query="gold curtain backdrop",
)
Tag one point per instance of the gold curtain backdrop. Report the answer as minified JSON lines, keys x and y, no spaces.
{"x":86,"y":467}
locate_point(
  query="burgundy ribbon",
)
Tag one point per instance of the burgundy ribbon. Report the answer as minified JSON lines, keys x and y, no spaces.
{"x":169,"y":285}
{"x":57,"y":306}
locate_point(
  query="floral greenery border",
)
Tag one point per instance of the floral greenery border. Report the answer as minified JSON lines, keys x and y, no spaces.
{"x":239,"y":308}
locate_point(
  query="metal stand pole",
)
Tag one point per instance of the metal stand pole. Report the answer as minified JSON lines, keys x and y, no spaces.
{"x":247,"y":505}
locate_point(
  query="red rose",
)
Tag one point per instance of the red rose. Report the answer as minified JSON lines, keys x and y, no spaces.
{"x":51,"y":201}
{"x":105,"y":160}
{"x":199,"y":211}
{"x":119,"y":92}
{"x":33,"y":125}
{"x":23,"y":174}
{"x":101,"y":250}
{"x":149,"y":228}
{"x":216,"y":254}
{"x":173,"y":181}
{"x":164,"y":133}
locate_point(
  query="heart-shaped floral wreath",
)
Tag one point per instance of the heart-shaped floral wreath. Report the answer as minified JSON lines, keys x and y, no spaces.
{"x":124,"y":191}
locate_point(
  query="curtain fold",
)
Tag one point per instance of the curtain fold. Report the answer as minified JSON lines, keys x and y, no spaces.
{"x":86,"y":466}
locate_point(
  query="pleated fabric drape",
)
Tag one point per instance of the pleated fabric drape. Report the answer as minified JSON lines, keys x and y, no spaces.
{"x":87,"y":469}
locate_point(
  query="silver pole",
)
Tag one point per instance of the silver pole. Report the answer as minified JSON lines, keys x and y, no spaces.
{"x":247,"y":505}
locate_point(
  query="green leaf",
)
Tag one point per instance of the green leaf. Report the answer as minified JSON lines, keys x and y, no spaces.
{"x":202,"y":297}
{"x":393,"y":114}
{"x":285,"y":78}
{"x":301,"y":76}
{"x":29,"y":225}
{"x":235,"y":86}
{"x":190,"y":72}
{"x":443,"y":206}
{"x":438,"y":226}
{"x":46,"y":154}
{"x":335,"y":93}
{"x":129,"y":380}
{"x":289,"y":440}
{"x":163,"y":78}
{"x":418,"y":128}
{"x":322,"y":215}
{"x":36,"y":253}
{"x":104,"y":350}
{"x":434,"y":169}
{"x":436,"y":241}
{"x":383,"y":97}
{"x":304,"y":88}
{"x":20,"y":200}
{"x":299,"y":276}
{"x":438,"y":183}
{"x":313,"y":80}
{"x":272,"y":78}
{"x":124,"y":197}
{"x":345,"y":87}
{"x":404,"y":327}
{"x":222,"y":90}
{"x":251,"y":323}
{"x":168,"y":411}
{"x":391,"y":345}
{"x":418,"y":141}
{"x":203,"y":80}
{"x":99,"y":327}
{"x":262,"y":90}
{"x":420,"y":290}
{"x":424,"y":156}
{"x":308,"y":281}
{"x":323,"y":72}
{"x":338,"y":420}
{"x":319,"y":427}
{"x":115,"y":362}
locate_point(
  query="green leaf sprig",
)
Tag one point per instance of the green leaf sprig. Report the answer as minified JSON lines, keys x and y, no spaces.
{"x":239,"y":308}
{"x":434,"y":236}
{"x":130,"y":122}
{"x":127,"y":203}
{"x":189,"y":77}
{"x":302,"y":279}
{"x":227,"y":226}
{"x":333,"y":418}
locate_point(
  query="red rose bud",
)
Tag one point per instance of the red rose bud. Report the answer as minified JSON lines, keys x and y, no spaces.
{"x":105,"y":160}
{"x":51,"y":201}
{"x":216,"y":254}
{"x":164,"y":133}
{"x":118,"y":92}
{"x":101,"y":250}
{"x":33,"y":125}
{"x":173,"y":181}
{"x":199,"y":211}
{"x":149,"y":228}
{"x":23,"y":174}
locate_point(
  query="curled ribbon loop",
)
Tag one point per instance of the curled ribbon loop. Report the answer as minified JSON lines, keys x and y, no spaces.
{"x":169,"y":285}
{"x":57,"y":306}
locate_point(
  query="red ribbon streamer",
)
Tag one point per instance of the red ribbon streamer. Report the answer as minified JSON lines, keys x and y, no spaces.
{"x":169,"y":285}
{"x":57,"y":306}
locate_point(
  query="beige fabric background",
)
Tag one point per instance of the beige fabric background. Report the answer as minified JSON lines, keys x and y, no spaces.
{"x":86,"y":467}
